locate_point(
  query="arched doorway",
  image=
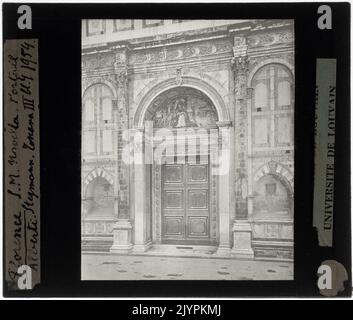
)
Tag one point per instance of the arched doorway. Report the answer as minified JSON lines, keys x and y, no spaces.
{"x":180,"y":197}
{"x":183,"y":186}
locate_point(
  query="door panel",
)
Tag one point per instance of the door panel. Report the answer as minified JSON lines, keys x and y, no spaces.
{"x":174,"y":226}
{"x":173,"y":173}
{"x":185,"y":199}
{"x":198,"y":173}
{"x":197,"y":227}
{"x":198,"y":199}
{"x":173,"y":200}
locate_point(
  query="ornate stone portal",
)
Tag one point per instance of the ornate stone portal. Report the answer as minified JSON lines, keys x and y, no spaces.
{"x":187,"y":189}
{"x":229,"y":94}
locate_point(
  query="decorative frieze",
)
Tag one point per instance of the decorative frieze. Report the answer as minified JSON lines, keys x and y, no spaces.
{"x":271,"y":39}
{"x":97,"y":61}
{"x":98,"y":227}
{"x":274,"y":230}
{"x":181,"y":52}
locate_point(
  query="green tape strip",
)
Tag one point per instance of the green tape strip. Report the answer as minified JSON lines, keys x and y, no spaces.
{"x":325,"y":120}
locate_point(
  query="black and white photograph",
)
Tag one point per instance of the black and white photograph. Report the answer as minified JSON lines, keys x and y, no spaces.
{"x":160,"y":152}
{"x":187,"y":160}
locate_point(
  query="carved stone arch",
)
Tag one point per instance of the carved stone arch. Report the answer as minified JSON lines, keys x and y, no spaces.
{"x":278,"y":170}
{"x":108,"y":81}
{"x":95,"y":173}
{"x":213,"y":82}
{"x":142,"y":104}
{"x":262,"y":64}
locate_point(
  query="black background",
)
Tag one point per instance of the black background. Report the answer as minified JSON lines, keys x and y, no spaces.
{"x":58,"y":28}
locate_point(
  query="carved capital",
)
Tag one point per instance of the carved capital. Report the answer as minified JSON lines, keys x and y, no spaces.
{"x":241,"y":68}
{"x":240,"y":64}
{"x":121,"y":56}
{"x":122,"y":78}
{"x":120,"y":59}
{"x":240,"y":60}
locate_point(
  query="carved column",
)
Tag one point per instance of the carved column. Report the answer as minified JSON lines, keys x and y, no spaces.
{"x":240,"y":62}
{"x":249,"y":159}
{"x":142,"y":243}
{"x":224,"y":188}
{"x":123,"y":124}
{"x":122,"y":229}
{"x":242,"y":232}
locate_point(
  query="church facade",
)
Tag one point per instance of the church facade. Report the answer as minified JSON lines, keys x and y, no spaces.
{"x":188,"y":136}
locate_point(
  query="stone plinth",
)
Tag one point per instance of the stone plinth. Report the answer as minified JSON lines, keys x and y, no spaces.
{"x":141,"y":248}
{"x":242,"y":240}
{"x":122,"y":237}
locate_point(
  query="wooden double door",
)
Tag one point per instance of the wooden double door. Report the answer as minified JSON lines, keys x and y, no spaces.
{"x":186,"y":203}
